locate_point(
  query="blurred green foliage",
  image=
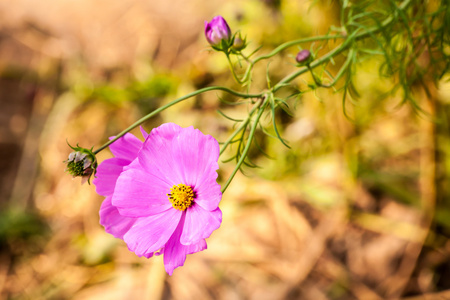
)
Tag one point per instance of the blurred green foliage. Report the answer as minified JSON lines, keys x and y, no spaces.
{"x":22,"y":232}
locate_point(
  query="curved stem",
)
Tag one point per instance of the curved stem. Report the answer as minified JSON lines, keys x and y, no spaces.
{"x":315,"y":63}
{"x":316,"y":81}
{"x":247,"y":146}
{"x":243,"y":125}
{"x":355,"y":36}
{"x":232,"y":70}
{"x":280,"y":48}
{"x":300,"y":41}
{"x":342,"y":70}
{"x":247,"y":59}
{"x":160,"y":109}
{"x":385,"y":23}
{"x":247,"y":72}
{"x":338,"y":75}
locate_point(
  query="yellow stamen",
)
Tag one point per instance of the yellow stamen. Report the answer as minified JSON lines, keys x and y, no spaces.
{"x":181,"y":196}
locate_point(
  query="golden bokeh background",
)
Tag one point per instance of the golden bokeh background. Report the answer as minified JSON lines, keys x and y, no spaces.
{"x":357,"y":209}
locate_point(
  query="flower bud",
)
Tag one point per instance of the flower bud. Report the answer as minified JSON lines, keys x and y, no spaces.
{"x":303,"y":56}
{"x":218,"y":33}
{"x":239,"y":43}
{"x":81,"y":163}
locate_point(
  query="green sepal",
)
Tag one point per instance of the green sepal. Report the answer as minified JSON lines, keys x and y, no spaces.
{"x":82,"y":162}
{"x":224,"y":45}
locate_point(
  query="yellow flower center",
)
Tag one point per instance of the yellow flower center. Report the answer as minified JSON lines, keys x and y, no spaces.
{"x":181,"y":196}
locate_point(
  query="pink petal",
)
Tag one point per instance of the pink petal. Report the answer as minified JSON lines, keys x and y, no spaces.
{"x":194,"y":248}
{"x":210,"y":175}
{"x":167,"y":130}
{"x":186,"y":156}
{"x":199,"y":224}
{"x":127,"y":147}
{"x":143,"y":132}
{"x":175,"y":253}
{"x":156,"y":156}
{"x":151,"y":233}
{"x":113,"y":222}
{"x":107,"y":173}
{"x":195,"y":154}
{"x":140,"y":194}
{"x":208,"y":194}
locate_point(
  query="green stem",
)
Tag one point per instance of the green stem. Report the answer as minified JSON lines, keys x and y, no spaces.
{"x":342,"y":70}
{"x":247,"y":72}
{"x":160,"y":109}
{"x":315,"y":63}
{"x":295,"y":42}
{"x":243,"y":125}
{"x":385,"y":23}
{"x":338,"y":75}
{"x":247,"y":146}
{"x":232,"y":70}
{"x":316,"y":81}
{"x":355,"y":36}
{"x":247,"y":59}
{"x":280,"y":48}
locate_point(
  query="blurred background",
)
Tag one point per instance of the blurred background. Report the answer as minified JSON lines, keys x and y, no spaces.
{"x":357,"y":209}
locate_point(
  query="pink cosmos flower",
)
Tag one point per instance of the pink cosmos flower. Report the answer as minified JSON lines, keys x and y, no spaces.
{"x":161,"y":194}
{"x":217,"y":30}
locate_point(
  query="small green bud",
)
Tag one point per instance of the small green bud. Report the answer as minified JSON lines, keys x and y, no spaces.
{"x":239,"y":42}
{"x":81,"y":163}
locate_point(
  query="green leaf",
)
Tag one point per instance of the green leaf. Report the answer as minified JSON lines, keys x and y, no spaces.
{"x":227,"y":117}
{"x":275,"y":125}
{"x":261,"y":149}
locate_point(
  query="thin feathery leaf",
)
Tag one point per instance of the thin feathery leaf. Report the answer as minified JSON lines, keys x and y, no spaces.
{"x":240,"y":145}
{"x":261,"y":149}
{"x":371,"y":51}
{"x":275,"y":125}
{"x":263,"y":130}
{"x":250,"y":164}
{"x":279,"y":100}
{"x":284,"y":106}
{"x":229,"y":118}
{"x":344,"y":98}
{"x":268,"y":76}
{"x":239,"y":102}
{"x":229,"y":159}
{"x":234,"y":141}
{"x":254,"y":51}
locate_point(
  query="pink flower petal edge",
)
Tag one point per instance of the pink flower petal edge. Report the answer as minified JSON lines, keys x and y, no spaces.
{"x":175,"y":252}
{"x":114,"y":223}
{"x":199,"y":224}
